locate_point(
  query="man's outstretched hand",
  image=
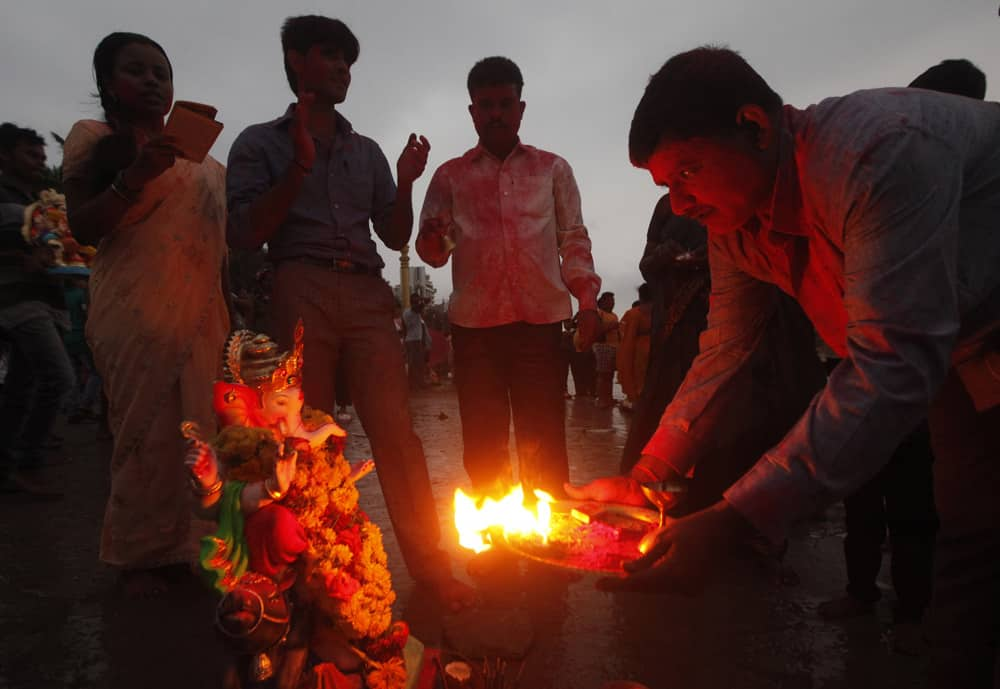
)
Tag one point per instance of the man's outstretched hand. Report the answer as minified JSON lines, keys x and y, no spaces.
{"x":683,"y":556}
{"x":413,"y":159}
{"x":618,"y":489}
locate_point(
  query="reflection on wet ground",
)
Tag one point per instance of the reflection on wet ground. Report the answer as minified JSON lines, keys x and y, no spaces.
{"x":755,"y":629}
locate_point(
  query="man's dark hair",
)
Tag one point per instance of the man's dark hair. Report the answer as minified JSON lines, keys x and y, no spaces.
{"x":696,"y":94}
{"x":11,"y":135}
{"x":645,"y":292}
{"x":105,"y":57}
{"x":606,"y":294}
{"x":302,"y":33}
{"x":958,"y":76}
{"x":495,"y":71}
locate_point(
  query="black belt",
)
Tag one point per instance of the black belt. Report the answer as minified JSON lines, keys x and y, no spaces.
{"x":336,"y":265}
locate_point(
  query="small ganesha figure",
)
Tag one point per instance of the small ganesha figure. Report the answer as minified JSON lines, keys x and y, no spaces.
{"x":45,"y":224}
{"x":306,"y":594}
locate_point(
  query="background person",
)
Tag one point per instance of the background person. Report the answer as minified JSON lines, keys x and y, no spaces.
{"x":417,"y":341}
{"x":32,"y":320}
{"x":633,"y":352}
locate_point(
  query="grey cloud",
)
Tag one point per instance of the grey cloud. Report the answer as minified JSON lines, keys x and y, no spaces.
{"x":585,"y":65}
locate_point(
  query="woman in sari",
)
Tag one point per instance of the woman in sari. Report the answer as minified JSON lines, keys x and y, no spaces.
{"x":158,"y":317}
{"x":633,"y":352}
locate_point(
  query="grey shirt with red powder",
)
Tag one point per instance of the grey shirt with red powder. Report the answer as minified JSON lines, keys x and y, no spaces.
{"x":884,"y":224}
{"x":349,"y":191}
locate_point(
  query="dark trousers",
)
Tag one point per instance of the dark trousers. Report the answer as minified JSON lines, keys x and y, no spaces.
{"x":965,"y":608}
{"x":87,"y":388}
{"x":349,"y":317}
{"x":415,"y":363}
{"x":511,"y":371}
{"x":39,"y":376}
{"x":563,"y":364}
{"x":900,"y":499}
{"x":342,"y":387}
{"x":583,"y":365}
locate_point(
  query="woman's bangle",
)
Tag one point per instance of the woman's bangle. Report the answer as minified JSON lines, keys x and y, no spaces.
{"x":275,"y":494}
{"x":122,"y":190}
{"x":203,"y":491}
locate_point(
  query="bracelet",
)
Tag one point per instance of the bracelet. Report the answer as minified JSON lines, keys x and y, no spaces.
{"x":122,"y":190}
{"x":275,"y":494}
{"x":302,"y":167}
{"x":206,"y":492}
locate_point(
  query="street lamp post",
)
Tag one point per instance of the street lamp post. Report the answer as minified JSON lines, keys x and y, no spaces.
{"x":404,"y":276}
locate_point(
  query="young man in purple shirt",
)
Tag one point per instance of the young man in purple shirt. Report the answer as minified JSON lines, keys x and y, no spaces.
{"x":312,"y":188}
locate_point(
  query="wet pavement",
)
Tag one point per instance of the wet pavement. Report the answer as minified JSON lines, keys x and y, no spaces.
{"x":757,"y":628}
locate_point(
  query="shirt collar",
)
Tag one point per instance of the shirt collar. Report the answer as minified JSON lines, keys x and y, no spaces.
{"x":344,"y":126}
{"x":783,"y":213}
{"x":14,"y":189}
{"x":479,"y":151}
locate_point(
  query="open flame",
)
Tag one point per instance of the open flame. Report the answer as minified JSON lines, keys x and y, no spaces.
{"x":508,"y":515}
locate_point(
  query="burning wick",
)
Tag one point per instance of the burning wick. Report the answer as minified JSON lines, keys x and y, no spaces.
{"x":509,"y":515}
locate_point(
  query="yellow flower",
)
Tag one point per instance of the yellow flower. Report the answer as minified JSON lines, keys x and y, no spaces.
{"x":324,"y":503}
{"x":389,"y":675}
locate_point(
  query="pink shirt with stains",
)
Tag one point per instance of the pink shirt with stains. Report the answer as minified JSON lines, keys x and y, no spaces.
{"x":520,"y":248}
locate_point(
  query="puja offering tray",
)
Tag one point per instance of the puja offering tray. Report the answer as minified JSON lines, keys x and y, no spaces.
{"x":587,"y":536}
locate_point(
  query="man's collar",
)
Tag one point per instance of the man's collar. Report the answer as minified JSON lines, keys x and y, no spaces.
{"x":15,"y":188}
{"x":344,"y":127}
{"x":480,"y":151}
{"x":783,"y":212}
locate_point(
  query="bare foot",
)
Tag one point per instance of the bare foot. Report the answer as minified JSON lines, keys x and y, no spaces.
{"x":455,"y":595}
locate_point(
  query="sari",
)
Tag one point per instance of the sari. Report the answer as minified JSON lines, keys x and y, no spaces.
{"x":157,"y":324}
{"x":633,"y":352}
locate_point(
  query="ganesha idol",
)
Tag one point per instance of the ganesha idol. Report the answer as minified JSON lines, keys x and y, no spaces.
{"x":306,"y":595}
{"x":46,"y":224}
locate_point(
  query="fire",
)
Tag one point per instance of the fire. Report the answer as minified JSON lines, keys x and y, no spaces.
{"x":509,"y":515}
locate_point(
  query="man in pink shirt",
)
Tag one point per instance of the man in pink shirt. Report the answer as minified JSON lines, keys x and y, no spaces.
{"x":510,"y":216}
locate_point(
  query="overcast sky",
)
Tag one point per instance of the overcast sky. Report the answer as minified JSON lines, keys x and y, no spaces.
{"x":585,"y":65}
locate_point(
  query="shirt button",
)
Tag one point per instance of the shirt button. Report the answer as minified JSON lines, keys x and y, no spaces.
{"x":336,"y":205}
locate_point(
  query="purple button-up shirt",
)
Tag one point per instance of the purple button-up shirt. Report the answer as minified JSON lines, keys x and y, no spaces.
{"x":349,"y":191}
{"x":885,"y":226}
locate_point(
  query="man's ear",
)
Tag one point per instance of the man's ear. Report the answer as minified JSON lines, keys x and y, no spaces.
{"x":755,"y":120}
{"x":522,"y":108}
{"x":295,"y":60}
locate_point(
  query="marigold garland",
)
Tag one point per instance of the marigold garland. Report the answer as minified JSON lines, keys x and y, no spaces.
{"x":349,"y":574}
{"x":388,"y":675}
